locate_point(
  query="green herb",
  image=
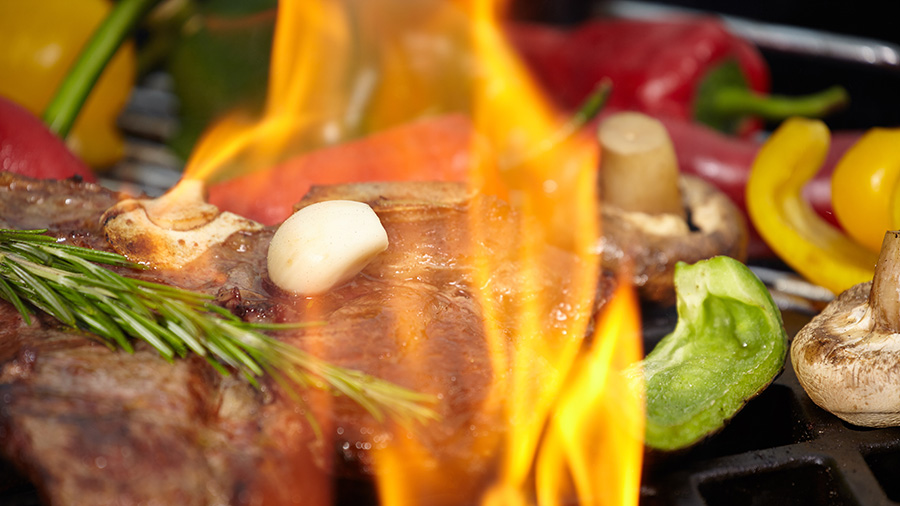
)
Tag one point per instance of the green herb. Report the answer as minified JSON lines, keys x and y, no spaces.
{"x":65,"y":282}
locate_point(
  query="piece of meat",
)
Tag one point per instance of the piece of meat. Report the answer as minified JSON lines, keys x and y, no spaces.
{"x":92,"y":426}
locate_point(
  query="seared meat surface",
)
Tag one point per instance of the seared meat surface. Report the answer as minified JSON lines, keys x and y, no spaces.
{"x":92,"y":426}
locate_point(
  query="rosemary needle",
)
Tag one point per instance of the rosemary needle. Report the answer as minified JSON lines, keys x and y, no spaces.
{"x":64,"y":281}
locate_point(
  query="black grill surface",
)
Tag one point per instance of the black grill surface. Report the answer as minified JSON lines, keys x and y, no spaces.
{"x":781,"y":449}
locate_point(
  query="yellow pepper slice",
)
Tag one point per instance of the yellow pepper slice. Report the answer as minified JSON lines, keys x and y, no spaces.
{"x":813,"y":247}
{"x":40,"y":41}
{"x":864,"y":184}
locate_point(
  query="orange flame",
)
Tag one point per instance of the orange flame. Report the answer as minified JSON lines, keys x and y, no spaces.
{"x":594,"y":442}
{"x":574,"y":424}
{"x":340,"y":70}
{"x":558,"y":404}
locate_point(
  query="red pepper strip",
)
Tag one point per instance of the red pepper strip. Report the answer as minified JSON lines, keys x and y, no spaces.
{"x":672,"y":68}
{"x":725,"y":161}
{"x":27,"y":147}
{"x":446,"y":148}
{"x":431,"y":150}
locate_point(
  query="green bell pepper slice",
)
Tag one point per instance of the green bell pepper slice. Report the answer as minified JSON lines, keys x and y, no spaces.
{"x":728,"y":345}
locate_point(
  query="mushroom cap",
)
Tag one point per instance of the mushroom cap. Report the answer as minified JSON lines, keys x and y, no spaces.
{"x":846,"y":365}
{"x":651,"y":245}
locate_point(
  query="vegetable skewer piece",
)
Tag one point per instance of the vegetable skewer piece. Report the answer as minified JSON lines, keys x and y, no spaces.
{"x":64,"y":282}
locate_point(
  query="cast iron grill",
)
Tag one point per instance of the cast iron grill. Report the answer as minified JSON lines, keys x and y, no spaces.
{"x":780,"y":450}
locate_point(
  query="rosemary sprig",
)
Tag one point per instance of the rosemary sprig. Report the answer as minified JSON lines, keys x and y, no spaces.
{"x":64,"y":281}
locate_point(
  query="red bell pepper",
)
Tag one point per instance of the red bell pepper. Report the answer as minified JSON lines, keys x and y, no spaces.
{"x":28,"y":147}
{"x":689,"y":68}
{"x":430,"y":150}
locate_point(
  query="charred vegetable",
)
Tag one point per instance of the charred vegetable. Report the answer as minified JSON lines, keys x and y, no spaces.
{"x":728,"y":345}
{"x":846,"y":357}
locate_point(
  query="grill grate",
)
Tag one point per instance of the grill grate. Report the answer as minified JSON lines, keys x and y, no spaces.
{"x":780,"y":450}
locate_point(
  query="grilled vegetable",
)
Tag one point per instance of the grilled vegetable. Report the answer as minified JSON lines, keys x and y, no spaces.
{"x":728,"y":345}
{"x":42,"y":41}
{"x":846,"y":357}
{"x":219,"y":60}
{"x":438,"y":150}
{"x":689,"y":68}
{"x":865,"y":189}
{"x":817,"y":250}
{"x":28,"y":148}
{"x":652,"y":216}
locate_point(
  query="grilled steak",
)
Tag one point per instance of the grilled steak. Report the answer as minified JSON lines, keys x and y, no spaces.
{"x":87,"y":425}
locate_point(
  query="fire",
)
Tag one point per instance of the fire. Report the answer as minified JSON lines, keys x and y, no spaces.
{"x":594,"y":440}
{"x":341,"y":70}
{"x":573,"y":422}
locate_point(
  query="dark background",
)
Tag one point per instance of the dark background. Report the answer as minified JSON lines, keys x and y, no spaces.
{"x":869,"y":18}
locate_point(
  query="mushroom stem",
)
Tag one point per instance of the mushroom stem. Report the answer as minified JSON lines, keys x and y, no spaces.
{"x":638,"y":168}
{"x":884,"y":299}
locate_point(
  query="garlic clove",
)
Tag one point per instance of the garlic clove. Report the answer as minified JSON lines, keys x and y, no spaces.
{"x":323,"y":245}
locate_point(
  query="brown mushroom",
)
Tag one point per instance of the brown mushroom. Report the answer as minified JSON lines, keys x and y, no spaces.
{"x":653,"y":217}
{"x":848,"y":357}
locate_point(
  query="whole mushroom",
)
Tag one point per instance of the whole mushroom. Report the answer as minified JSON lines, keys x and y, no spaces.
{"x":848,"y":357}
{"x":652,"y":216}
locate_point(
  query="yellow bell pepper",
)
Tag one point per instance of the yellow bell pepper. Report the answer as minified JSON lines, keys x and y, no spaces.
{"x":864,"y":187}
{"x":813,"y":247}
{"x":41,"y":39}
